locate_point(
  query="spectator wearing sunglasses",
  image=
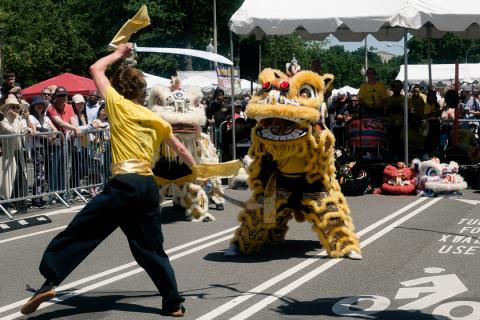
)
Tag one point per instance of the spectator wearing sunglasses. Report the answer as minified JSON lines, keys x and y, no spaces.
{"x":61,"y":113}
{"x":47,"y":95}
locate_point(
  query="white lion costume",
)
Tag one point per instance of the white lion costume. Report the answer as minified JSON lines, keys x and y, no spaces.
{"x":181,"y":108}
{"x":435,"y":178}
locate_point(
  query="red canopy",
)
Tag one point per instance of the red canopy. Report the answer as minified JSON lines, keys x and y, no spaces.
{"x":73,"y":83}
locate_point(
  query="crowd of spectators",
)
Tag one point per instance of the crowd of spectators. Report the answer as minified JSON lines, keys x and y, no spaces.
{"x":431,"y":115}
{"x":35,"y":131}
{"x":55,"y":115}
{"x":219,"y":123}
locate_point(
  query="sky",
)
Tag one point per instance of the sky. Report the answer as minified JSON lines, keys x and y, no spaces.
{"x":396,"y":48}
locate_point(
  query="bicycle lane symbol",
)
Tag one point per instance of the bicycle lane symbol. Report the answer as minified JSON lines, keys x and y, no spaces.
{"x":435,"y":289}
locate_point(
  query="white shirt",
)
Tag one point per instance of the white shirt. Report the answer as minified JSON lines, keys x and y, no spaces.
{"x":44,"y":123}
{"x":92,"y":111}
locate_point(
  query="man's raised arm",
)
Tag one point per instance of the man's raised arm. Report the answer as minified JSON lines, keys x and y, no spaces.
{"x":97,"y":70}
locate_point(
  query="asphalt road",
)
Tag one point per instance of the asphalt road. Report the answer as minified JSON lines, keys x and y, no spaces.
{"x":421,"y":258}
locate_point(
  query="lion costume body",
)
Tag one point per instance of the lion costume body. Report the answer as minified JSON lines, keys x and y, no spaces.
{"x":292,"y":173}
{"x":181,"y":109}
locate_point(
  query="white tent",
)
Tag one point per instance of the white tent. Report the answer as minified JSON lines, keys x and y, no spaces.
{"x":208,"y":81}
{"x":154,"y":80}
{"x":444,"y":73}
{"x":348,"y":89}
{"x":353,"y":20}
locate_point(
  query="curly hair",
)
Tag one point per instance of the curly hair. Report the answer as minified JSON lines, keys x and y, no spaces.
{"x":129,"y":82}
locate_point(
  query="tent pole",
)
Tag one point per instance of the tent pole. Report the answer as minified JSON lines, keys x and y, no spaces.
{"x":366,"y":58}
{"x":232,"y":69}
{"x":429,"y":58}
{"x":259,"y":58}
{"x":405,"y":91}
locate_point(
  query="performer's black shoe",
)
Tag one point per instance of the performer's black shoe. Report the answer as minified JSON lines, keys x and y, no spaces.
{"x":46,"y":292}
{"x":176,"y":312}
{"x":219,"y":206}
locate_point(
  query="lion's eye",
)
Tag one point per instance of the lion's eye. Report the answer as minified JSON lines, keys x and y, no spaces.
{"x":431,"y":172}
{"x":306,"y":91}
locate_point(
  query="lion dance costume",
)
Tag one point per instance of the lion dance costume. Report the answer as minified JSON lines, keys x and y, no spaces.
{"x":181,"y":109}
{"x":436,"y":179}
{"x":292,"y":173}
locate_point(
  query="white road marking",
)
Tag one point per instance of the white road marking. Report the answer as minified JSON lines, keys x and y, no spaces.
{"x":65,"y":210}
{"x":312,"y":274}
{"x":126,"y":266}
{"x":68,"y":210}
{"x":472,"y":202}
{"x":32,"y":234}
{"x":295,"y":269}
{"x":62,"y":297}
{"x":137,"y":270}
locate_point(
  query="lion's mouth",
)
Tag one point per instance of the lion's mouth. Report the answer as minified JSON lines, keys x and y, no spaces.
{"x":277,"y":129}
{"x":184,"y":128}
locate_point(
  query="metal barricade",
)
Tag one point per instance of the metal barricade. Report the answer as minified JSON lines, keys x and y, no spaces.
{"x":47,"y":166}
{"x":32,"y":167}
{"x":89,"y":162}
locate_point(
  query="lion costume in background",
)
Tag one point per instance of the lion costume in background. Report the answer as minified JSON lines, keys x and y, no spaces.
{"x":399,"y":180}
{"x":182,"y":110}
{"x":435,"y":178}
{"x":292,"y":173}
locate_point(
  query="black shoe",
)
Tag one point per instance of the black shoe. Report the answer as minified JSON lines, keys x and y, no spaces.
{"x":38,"y":203}
{"x":176,"y":312}
{"x":46,"y":292}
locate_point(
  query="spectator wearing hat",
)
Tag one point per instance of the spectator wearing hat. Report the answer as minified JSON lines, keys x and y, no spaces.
{"x":62,"y":115}
{"x":12,"y":165}
{"x":41,"y":140}
{"x":79,"y":145}
{"x":92,"y":107}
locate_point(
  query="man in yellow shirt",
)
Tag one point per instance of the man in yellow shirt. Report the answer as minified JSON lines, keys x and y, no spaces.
{"x":417,"y":102}
{"x":372,"y":94}
{"x":130,"y":199}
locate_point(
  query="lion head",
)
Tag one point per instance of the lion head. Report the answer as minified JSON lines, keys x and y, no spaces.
{"x":286,"y":107}
{"x":181,"y":108}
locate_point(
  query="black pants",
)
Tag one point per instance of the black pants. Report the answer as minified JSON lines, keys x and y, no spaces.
{"x":131,"y":202}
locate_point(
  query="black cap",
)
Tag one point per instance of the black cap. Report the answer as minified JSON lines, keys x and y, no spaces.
{"x":61,"y":91}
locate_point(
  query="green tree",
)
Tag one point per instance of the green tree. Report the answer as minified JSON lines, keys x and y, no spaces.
{"x":38,"y":42}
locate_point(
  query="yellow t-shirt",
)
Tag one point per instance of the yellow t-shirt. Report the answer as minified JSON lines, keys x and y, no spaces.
{"x":373,"y":95}
{"x":136,"y":132}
